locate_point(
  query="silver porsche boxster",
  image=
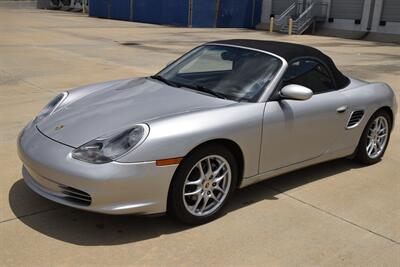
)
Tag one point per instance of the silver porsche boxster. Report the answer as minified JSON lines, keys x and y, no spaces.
{"x":223,"y":116}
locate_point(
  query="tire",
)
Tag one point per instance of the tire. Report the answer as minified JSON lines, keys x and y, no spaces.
{"x":199,"y":188}
{"x":364,"y":146}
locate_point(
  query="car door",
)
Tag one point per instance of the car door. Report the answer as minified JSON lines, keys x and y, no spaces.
{"x":300,"y":130}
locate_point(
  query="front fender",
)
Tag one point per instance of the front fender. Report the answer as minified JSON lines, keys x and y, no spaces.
{"x":176,"y":136}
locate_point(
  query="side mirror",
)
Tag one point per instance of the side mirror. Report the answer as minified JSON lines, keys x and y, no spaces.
{"x":296,"y":92}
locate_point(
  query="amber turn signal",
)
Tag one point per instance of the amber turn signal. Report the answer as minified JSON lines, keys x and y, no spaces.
{"x":165,"y":162}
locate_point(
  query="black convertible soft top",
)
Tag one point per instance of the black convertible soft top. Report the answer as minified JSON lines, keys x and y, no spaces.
{"x":290,"y":52}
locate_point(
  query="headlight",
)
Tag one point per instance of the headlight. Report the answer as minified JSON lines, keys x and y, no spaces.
{"x":50,"y":107}
{"x":106,"y":149}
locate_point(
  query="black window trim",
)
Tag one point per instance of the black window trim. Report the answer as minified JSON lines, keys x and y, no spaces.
{"x":274,"y":97}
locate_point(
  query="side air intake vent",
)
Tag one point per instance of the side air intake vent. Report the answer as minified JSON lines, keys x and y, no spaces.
{"x":355,"y":118}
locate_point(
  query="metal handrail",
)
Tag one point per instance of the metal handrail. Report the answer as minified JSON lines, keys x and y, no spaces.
{"x":304,"y":20}
{"x":305,"y":14}
{"x":285,"y":14}
{"x":314,"y":11}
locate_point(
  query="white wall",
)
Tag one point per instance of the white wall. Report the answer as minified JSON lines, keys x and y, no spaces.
{"x":266,"y":11}
{"x":390,"y":27}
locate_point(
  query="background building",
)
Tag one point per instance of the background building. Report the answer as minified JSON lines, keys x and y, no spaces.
{"x":351,"y":18}
{"x":192,"y":13}
{"x":373,"y":19}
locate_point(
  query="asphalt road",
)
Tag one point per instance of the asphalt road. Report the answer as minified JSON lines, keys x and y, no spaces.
{"x":336,"y":213}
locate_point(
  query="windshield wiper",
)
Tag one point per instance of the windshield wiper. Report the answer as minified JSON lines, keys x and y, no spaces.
{"x":197,"y":87}
{"x":206,"y":90}
{"x":162,"y":79}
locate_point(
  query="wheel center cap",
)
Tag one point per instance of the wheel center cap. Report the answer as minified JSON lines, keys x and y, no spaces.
{"x":207,"y":185}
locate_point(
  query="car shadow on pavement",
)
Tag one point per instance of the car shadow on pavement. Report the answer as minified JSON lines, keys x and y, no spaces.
{"x":91,"y":229}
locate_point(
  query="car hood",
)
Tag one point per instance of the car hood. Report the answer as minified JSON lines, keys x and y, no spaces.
{"x":105,"y":108}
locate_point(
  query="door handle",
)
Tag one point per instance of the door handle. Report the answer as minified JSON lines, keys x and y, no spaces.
{"x":341,"y":109}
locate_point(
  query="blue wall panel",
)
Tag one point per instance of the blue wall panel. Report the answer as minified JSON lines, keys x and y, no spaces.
{"x":232,"y":13}
{"x":257,"y":12}
{"x":203,"y":13}
{"x":99,"y":8}
{"x":170,"y":12}
{"x":239,"y":14}
{"x":120,"y":9}
{"x":235,"y":14}
{"x":148,"y":11}
{"x":176,"y":12}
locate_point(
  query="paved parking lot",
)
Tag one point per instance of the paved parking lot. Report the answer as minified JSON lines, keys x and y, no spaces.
{"x":336,"y":213}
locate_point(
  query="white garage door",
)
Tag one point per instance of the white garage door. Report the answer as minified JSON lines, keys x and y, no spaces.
{"x":347,"y":9}
{"x":391,"y":10}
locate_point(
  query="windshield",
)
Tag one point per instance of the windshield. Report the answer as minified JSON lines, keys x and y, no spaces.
{"x":233,"y":73}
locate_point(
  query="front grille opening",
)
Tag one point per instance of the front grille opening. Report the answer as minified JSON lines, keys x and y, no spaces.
{"x":355,"y":118}
{"x":75,"y":196}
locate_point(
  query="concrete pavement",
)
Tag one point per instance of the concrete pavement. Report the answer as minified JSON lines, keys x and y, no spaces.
{"x":336,"y":213}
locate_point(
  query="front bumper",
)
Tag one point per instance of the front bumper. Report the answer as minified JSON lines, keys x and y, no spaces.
{"x":111,"y":188}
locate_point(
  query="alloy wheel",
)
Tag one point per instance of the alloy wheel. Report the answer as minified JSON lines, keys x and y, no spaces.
{"x":377,"y":137}
{"x":207,"y":185}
